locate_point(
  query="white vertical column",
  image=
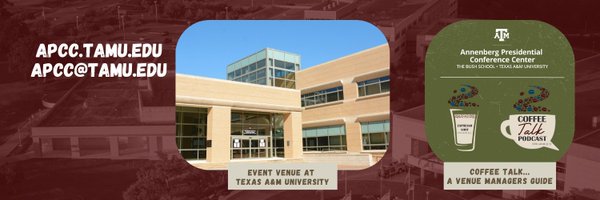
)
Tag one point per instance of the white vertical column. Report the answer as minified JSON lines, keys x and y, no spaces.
{"x":152,"y":146}
{"x":75,"y":150}
{"x":114,"y":146}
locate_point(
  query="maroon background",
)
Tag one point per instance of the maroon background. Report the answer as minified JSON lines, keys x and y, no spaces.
{"x":22,"y":28}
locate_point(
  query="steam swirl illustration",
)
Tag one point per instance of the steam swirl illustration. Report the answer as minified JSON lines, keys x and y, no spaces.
{"x":461,"y":95}
{"x":525,"y":104}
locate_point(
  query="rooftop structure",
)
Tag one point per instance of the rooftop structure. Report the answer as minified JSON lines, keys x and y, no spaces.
{"x":266,"y":67}
{"x":110,"y":118}
{"x":332,"y":9}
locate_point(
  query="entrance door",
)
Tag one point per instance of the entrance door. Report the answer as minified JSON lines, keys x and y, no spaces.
{"x":245,"y":147}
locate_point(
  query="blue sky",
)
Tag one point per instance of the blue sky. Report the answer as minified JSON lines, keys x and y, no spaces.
{"x":206,"y":48}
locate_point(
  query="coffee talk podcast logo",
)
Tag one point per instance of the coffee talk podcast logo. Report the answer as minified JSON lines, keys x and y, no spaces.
{"x":531,"y":130}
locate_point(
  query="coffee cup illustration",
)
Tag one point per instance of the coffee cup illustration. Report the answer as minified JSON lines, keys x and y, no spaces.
{"x":463,"y":114}
{"x":464,"y":126}
{"x":530,"y":131}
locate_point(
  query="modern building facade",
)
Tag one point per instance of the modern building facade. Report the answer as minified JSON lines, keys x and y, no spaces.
{"x":266,"y":67}
{"x":221,"y":120}
{"x":348,"y":97}
{"x":337,"y":111}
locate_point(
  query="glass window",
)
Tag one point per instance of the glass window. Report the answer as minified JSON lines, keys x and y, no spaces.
{"x":189,"y":117}
{"x":255,"y":118}
{"x":326,"y":138}
{"x":290,"y":84}
{"x":361,"y":91}
{"x":323,"y":141}
{"x":252,"y":76}
{"x":191,"y":132}
{"x":279,"y":82}
{"x":385,"y":86}
{"x":190,"y":155}
{"x":236,"y":129}
{"x":377,"y":138}
{"x":323,"y":96}
{"x":279,"y":63}
{"x":311,"y":141}
{"x":375,"y":135}
{"x":261,"y":124}
{"x":371,"y":89}
{"x":332,"y":97}
{"x":262,"y":81}
{"x":374,"y":86}
{"x":290,"y":76}
{"x":261,"y":63}
{"x":335,"y":140}
{"x":280,"y":73}
{"x":261,"y":73}
{"x":290,"y":66}
{"x":252,"y":67}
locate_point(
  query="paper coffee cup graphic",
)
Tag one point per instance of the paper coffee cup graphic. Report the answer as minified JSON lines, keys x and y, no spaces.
{"x":530,"y":131}
{"x":464,"y":126}
{"x":464,"y":117}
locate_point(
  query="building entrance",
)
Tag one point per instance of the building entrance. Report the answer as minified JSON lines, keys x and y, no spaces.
{"x":250,"y":147}
{"x":256,"y":135}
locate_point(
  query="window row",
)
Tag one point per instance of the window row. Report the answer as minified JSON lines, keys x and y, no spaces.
{"x":187,"y":143}
{"x":326,"y":138}
{"x":375,"y":135}
{"x":283,"y":64}
{"x":325,"y":143}
{"x":254,"y":76}
{"x":323,"y":96}
{"x":250,"y":118}
{"x":277,"y":73}
{"x":374,"y":86}
{"x":324,"y":131}
{"x":284,"y":83}
{"x":191,"y":132}
{"x":246,"y":69}
{"x":190,"y":115}
{"x":196,"y":154}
